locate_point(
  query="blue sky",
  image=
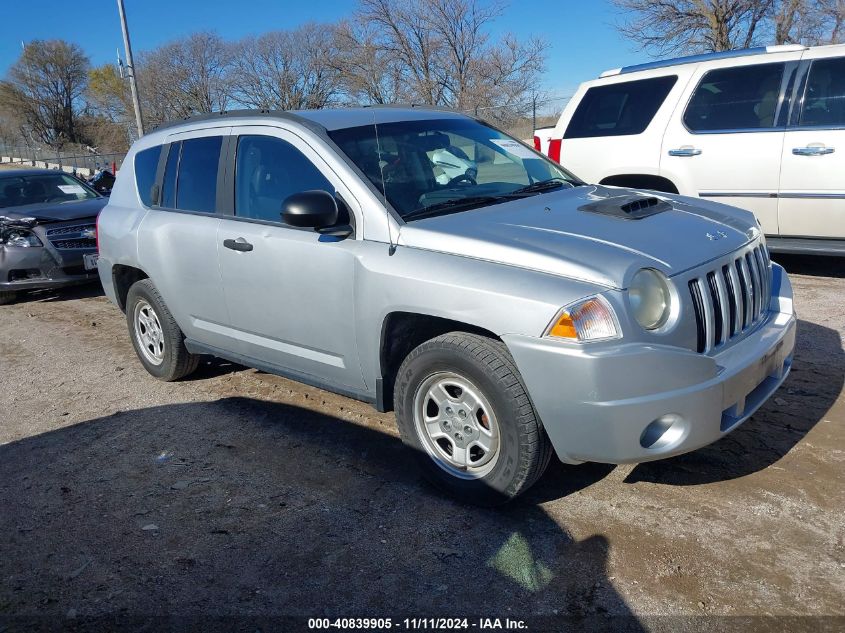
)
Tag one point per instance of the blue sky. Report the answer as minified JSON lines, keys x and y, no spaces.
{"x":583,"y":41}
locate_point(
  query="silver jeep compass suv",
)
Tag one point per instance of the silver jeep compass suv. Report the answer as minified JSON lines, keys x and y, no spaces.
{"x":501,"y":306}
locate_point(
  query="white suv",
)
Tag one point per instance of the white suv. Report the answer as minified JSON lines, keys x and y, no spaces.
{"x":757,"y":128}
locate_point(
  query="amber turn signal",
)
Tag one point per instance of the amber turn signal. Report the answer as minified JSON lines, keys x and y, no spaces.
{"x":590,"y":319}
{"x":564,"y":328}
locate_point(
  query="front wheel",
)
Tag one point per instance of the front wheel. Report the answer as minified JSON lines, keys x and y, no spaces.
{"x":462,"y":407}
{"x":157,"y":339}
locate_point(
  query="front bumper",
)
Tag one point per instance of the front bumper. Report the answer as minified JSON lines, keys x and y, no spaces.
{"x":633,"y":402}
{"x":42,"y":267}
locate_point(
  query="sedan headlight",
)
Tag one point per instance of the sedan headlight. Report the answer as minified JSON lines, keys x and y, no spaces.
{"x":650,"y":298}
{"x":19,"y":237}
{"x":586,"y":320}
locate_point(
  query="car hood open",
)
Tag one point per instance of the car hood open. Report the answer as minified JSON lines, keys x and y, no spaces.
{"x":553,"y":233}
{"x":57,"y":212}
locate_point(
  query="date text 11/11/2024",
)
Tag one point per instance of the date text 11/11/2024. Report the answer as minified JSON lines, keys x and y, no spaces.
{"x":417,"y":624}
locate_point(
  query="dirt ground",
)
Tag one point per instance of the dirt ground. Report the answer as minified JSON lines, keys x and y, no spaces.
{"x":127,"y":503}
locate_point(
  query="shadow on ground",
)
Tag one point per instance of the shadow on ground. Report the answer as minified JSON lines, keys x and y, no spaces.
{"x":211,"y":367}
{"x":247,"y":508}
{"x":813,"y":386}
{"x":68,"y":293}
{"x":812,"y":265}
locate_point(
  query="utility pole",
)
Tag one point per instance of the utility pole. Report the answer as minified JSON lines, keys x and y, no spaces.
{"x":130,"y":70}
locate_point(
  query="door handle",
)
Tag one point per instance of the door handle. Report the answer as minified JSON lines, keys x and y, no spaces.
{"x":239,"y":244}
{"x":685,"y":151}
{"x":813,"y":150}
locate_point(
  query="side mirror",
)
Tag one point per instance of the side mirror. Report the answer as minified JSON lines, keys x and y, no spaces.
{"x":314,"y":209}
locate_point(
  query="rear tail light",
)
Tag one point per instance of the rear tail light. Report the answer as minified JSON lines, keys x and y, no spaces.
{"x":537,"y":143}
{"x":554,"y":149}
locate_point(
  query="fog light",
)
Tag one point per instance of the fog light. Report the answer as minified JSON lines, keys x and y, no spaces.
{"x":664,"y":432}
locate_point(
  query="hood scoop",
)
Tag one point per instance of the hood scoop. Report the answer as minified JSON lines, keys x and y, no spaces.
{"x":627,"y":207}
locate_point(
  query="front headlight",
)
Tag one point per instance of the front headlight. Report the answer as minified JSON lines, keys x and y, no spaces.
{"x":19,"y":237}
{"x":586,"y":320}
{"x":650,"y":298}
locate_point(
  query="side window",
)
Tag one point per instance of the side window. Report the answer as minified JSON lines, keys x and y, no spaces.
{"x":268,"y":170}
{"x":196,"y":184}
{"x":824,"y":98}
{"x":146,"y":163}
{"x":619,"y":109}
{"x":740,"y":98}
{"x":168,"y":189}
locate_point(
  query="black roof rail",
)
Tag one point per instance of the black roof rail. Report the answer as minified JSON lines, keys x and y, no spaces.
{"x":224,"y":114}
{"x":292,"y":115}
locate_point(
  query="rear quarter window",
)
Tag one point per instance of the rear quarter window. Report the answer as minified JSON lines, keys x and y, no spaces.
{"x":146,"y":163}
{"x":619,"y":109}
{"x":190,"y":174}
{"x":739,"y":98}
{"x":824,"y":99}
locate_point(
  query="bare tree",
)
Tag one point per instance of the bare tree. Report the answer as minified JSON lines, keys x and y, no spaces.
{"x":809,"y":21}
{"x":368,"y":73}
{"x":459,"y":28}
{"x":508,"y":79}
{"x":287,"y":70}
{"x":401,"y":29}
{"x":440,"y":52}
{"x":44,"y":90}
{"x":786,"y":16}
{"x":673,"y":26}
{"x":687,"y":26}
{"x":186,"y":77}
{"x":834,"y":12}
{"x":436,"y":52}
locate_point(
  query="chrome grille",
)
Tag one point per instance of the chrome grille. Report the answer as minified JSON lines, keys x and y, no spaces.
{"x":76,"y":228}
{"x":77,"y":236}
{"x":731,"y":298}
{"x":72,"y":244}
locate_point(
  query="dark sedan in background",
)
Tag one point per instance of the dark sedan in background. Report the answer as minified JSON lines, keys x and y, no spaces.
{"x":48,"y":233}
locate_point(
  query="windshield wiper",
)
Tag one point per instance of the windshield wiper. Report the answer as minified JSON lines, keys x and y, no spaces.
{"x":456,"y":204}
{"x":541,"y":185}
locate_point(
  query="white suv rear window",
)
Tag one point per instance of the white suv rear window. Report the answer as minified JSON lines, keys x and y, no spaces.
{"x":619,"y":109}
{"x":824,"y":99}
{"x":739,"y":98}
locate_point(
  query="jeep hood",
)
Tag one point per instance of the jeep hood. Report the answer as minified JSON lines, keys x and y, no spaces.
{"x":57,"y":212}
{"x":550,"y":233}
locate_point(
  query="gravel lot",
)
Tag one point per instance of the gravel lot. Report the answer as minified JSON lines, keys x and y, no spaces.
{"x":245,"y":496}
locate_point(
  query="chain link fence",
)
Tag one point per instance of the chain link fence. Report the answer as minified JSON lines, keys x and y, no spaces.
{"x":517,"y":119}
{"x":536,"y":113}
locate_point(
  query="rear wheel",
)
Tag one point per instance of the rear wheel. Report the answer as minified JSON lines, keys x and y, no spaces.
{"x":462,"y":407}
{"x":7,"y":297}
{"x":157,"y":339}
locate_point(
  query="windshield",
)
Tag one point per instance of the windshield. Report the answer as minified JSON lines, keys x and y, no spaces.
{"x":429,"y":167}
{"x":19,"y":191}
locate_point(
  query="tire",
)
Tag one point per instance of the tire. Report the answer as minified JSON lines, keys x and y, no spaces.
{"x":157,"y":339}
{"x":7,"y":297}
{"x":471,"y":373}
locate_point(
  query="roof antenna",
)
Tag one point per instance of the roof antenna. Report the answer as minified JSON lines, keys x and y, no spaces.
{"x":383,"y":188}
